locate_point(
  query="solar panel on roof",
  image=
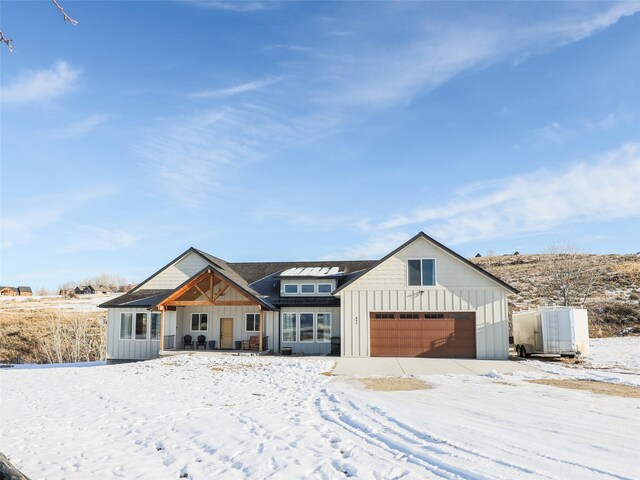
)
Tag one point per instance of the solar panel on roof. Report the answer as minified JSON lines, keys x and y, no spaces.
{"x":311,"y":272}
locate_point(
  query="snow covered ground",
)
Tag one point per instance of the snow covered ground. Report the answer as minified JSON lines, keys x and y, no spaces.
{"x":83,"y":303}
{"x":613,"y":360}
{"x":274,"y":417}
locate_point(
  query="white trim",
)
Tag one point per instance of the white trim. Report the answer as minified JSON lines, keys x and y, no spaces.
{"x":120,"y":325}
{"x":313,"y":285}
{"x":295,"y":330}
{"x":254,"y":322}
{"x":191,"y":321}
{"x":313,"y":325}
{"x":146,"y":329}
{"x":435,"y":272}
{"x":315,"y":330}
{"x":151,"y":314}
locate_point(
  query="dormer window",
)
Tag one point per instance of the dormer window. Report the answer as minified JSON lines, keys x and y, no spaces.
{"x":421,"y":272}
{"x":308,"y":288}
{"x":325,"y":288}
{"x":291,"y":288}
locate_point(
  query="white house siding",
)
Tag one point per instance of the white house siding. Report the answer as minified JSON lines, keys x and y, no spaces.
{"x":178,"y":273}
{"x":458,"y":288}
{"x":215,"y":313}
{"x":313,"y":348}
{"x":128,"y":349}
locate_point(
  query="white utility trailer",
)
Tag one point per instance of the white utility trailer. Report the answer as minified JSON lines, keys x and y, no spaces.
{"x":551,"y":330}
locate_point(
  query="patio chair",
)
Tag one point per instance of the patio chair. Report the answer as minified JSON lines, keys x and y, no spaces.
{"x":188,"y":342}
{"x":202,"y":342}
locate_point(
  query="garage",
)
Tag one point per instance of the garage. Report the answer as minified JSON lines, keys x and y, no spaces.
{"x":423,"y":334}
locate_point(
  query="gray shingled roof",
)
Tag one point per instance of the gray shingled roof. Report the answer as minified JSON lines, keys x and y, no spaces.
{"x":141,"y":298}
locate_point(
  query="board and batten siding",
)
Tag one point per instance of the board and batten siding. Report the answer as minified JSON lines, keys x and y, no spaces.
{"x":128,"y":349}
{"x":458,"y":287}
{"x":176,"y":274}
{"x":312,"y":348}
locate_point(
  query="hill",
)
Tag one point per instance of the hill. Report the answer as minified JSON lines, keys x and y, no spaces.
{"x":614,"y":302}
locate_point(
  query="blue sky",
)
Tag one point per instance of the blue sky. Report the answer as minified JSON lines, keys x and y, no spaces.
{"x":288,"y":131}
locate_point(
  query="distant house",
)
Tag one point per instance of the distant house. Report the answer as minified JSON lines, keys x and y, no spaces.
{"x":25,"y":291}
{"x":84,"y":290}
{"x":102,"y":289}
{"x":8,"y":291}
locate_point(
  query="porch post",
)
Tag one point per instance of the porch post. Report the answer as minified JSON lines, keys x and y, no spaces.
{"x":161,"y":327}
{"x":261,"y":322}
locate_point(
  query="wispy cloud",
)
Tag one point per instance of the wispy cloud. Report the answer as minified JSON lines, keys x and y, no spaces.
{"x":41,"y":84}
{"x":42,"y":211}
{"x":235,"y":6}
{"x":81,"y":127}
{"x":328,"y":83}
{"x":602,"y":190}
{"x":238,"y":89}
{"x":88,"y":237}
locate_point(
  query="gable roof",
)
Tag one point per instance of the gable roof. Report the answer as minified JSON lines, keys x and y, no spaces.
{"x":439,"y":245}
{"x":259,"y":280}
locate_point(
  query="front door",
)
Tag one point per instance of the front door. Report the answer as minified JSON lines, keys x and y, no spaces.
{"x":226,"y":333}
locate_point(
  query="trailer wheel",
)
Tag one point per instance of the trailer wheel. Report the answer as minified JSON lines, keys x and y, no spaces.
{"x":519,"y":350}
{"x":523,"y":352}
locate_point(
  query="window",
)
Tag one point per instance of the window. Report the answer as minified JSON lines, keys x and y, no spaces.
{"x":421,"y":272}
{"x":199,"y":322}
{"x":409,"y":315}
{"x":307,"y":288}
{"x":385,"y":316}
{"x":306,"y":327}
{"x":290,"y":288}
{"x":156,"y":318}
{"x":252,"y":322}
{"x":126,"y":319}
{"x":141,"y":326}
{"x":324,"y":288}
{"x":323,"y":327}
{"x":289,"y":321}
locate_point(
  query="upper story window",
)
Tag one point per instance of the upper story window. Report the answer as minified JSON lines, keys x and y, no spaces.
{"x":421,"y":272}
{"x":307,"y":288}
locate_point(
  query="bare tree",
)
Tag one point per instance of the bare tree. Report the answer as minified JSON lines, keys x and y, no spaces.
{"x":571,"y":274}
{"x":9,"y":42}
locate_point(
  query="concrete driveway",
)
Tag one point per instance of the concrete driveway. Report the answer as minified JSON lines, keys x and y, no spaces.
{"x":400,"y":366}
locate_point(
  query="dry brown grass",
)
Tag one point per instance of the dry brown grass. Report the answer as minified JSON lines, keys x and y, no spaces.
{"x":44,"y":336}
{"x":393,"y":384}
{"x":600,"y":388}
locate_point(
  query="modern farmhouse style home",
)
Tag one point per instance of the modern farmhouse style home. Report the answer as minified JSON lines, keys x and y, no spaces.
{"x":421,"y":300}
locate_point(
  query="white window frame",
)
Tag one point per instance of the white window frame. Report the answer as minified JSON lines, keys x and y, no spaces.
{"x":199,"y":322}
{"x":435,"y":272}
{"x":285,"y":285}
{"x":325,"y":293}
{"x":159,"y":314}
{"x":313,"y":285}
{"x":131,"y":334}
{"x":146,"y":330}
{"x":313,"y":327}
{"x":254,"y":321}
{"x":295,"y":330}
{"x":315,"y":330}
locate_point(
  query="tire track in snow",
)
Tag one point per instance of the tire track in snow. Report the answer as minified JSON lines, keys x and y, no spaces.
{"x":417,"y":447}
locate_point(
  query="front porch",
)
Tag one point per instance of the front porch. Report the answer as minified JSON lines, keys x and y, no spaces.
{"x":212,"y":313}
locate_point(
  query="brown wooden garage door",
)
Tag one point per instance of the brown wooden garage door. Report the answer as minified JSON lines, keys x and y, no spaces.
{"x":418,"y":334}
